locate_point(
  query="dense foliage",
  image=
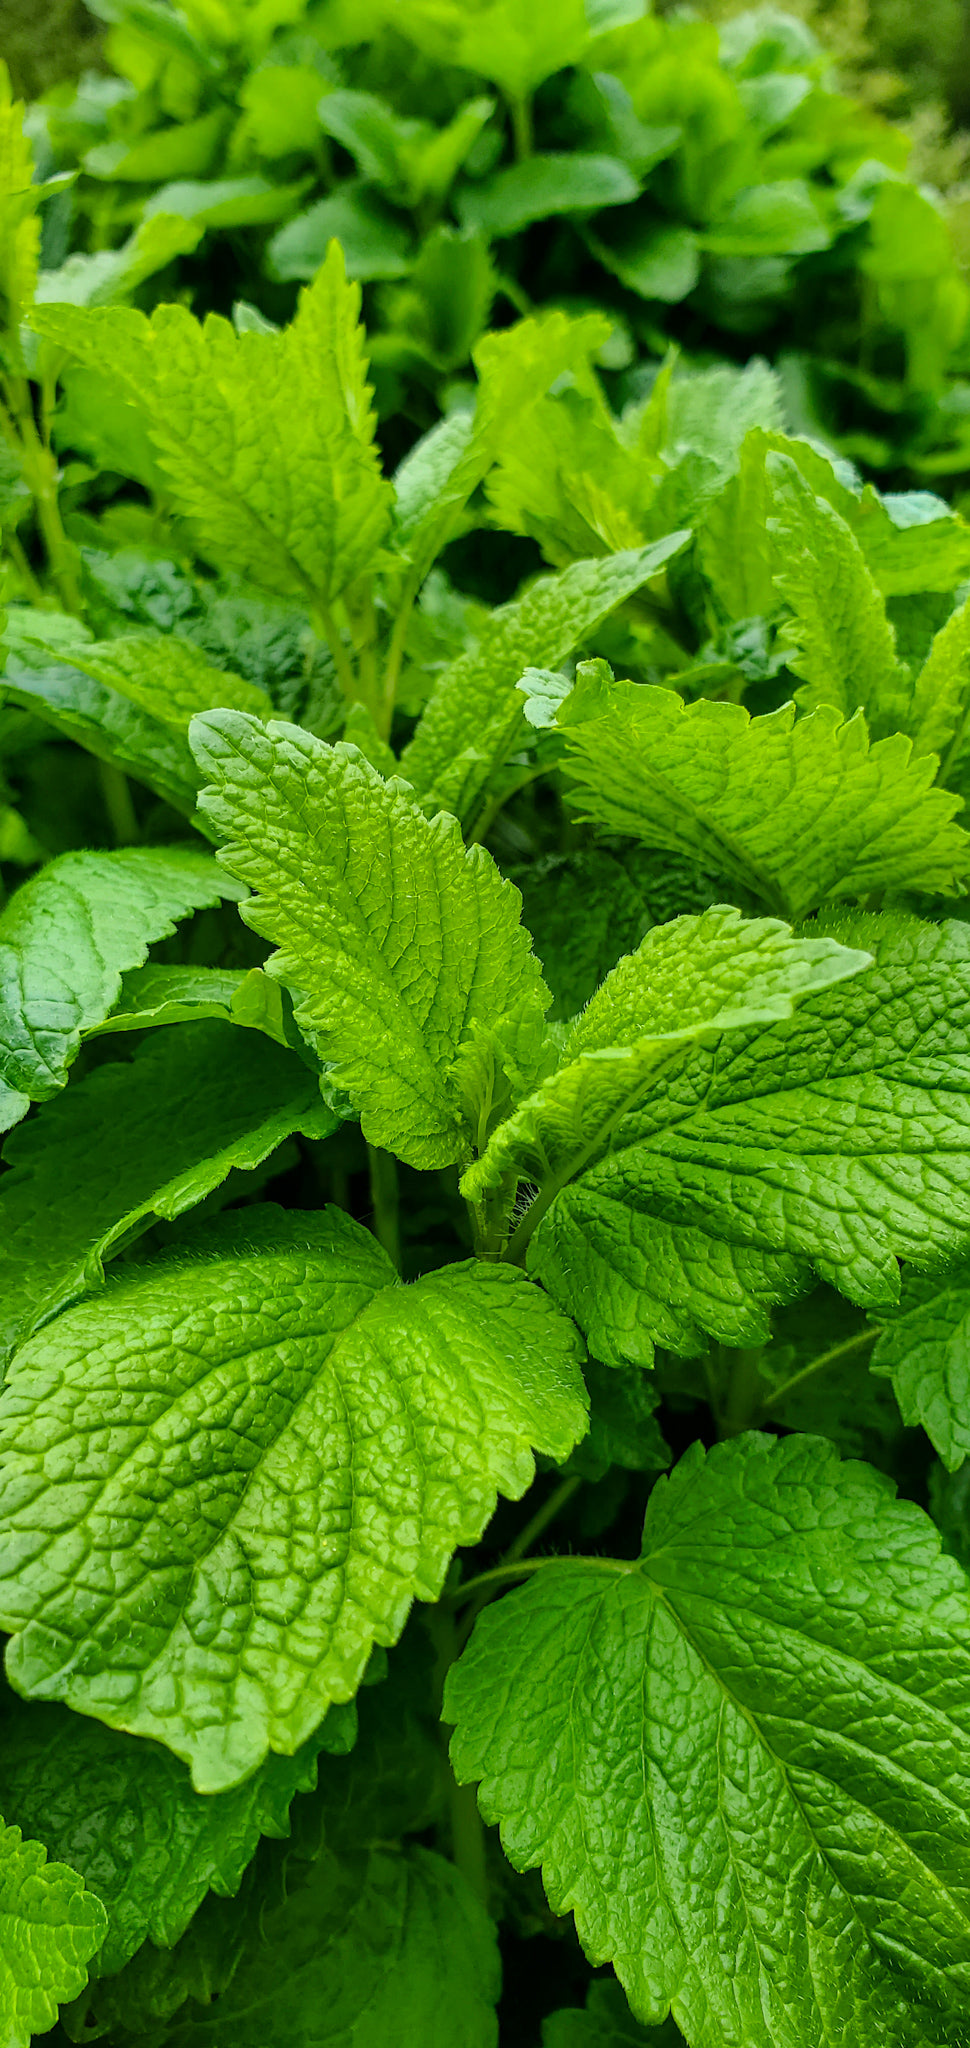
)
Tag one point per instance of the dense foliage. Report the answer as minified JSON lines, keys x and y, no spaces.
{"x":484,"y":1058}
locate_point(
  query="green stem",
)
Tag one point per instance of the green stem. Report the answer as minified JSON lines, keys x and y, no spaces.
{"x":342,"y":662}
{"x":744,"y":1394}
{"x":520,"y":109}
{"x":40,"y":475}
{"x":503,"y":1574}
{"x":465,"y":1821}
{"x":395,"y":649}
{"x":23,"y":568}
{"x":862,"y":1341}
{"x":385,"y":1201}
{"x":117,"y":799}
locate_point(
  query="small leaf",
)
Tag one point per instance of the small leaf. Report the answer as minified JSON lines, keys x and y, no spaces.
{"x":476,"y":713}
{"x":925,"y":1351}
{"x":49,"y":1929}
{"x":286,"y":1395}
{"x":762,"y":1722}
{"x":67,"y":936}
{"x":134,"y":1142}
{"x":414,"y":975}
{"x":545,"y":185}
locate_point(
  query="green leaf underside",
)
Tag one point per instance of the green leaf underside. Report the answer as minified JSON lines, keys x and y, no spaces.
{"x":742,"y":1762}
{"x":49,"y":1928}
{"x":265,"y":440}
{"x":476,"y":713}
{"x":838,"y":1139}
{"x":67,"y":936}
{"x":411,"y":970}
{"x":230,"y":1476}
{"x":688,"y":979}
{"x":925,"y":1352}
{"x":796,"y":811}
{"x":122,"y":1813}
{"x":393,"y":1947}
{"x":146,"y":1138}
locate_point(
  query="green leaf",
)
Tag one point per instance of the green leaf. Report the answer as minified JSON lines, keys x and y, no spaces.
{"x":842,"y":643}
{"x":411,"y":970}
{"x":49,"y":1929}
{"x":912,"y":541}
{"x":107,"y":725}
{"x":543,"y":186}
{"x":166,"y":676}
{"x":797,"y":811}
{"x":122,"y":1813}
{"x":389,"y":1947}
{"x":515,"y":368}
{"x":19,"y":225}
{"x":688,"y":980}
{"x":107,"y":275}
{"x":491,"y":38}
{"x":375,"y":242}
{"x":227,"y":202}
{"x":266,"y":441}
{"x":133,"y":1142}
{"x":925,"y":1352}
{"x":607,"y":2022}
{"x":286,"y":1393}
{"x":760,"y":1725}
{"x":941,"y":691}
{"x":67,"y":936}
{"x":475,"y":715}
{"x":783,"y":219}
{"x":584,"y":910}
{"x":836,"y":1140}
{"x":652,"y":258}
{"x":156,"y":995}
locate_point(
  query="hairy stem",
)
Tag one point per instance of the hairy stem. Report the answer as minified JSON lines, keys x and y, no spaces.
{"x":535,"y":1527}
{"x":385,"y":1200}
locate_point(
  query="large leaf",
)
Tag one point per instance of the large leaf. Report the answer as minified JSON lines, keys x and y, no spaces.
{"x":66,"y":938}
{"x":838,"y":1139}
{"x":133,"y":1142}
{"x":475,"y":714}
{"x":282,"y":1396}
{"x":391,"y":1947}
{"x":107,"y":725}
{"x":49,"y":1929}
{"x":415,"y":977}
{"x":122,"y":1813}
{"x":742,"y":1761}
{"x":925,"y":1351}
{"x":795,"y":812}
{"x":688,"y":979}
{"x":266,"y":440}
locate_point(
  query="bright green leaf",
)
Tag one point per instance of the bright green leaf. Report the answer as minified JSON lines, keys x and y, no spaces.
{"x":67,"y":936}
{"x":49,"y":1929}
{"x":133,"y":1142}
{"x":166,"y":676}
{"x":286,"y":1394}
{"x":543,"y":186}
{"x":760,"y":1726}
{"x":411,"y":971}
{"x":795,"y":811}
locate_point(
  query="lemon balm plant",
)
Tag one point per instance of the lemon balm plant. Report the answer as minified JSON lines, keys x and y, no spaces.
{"x":485,"y":1208}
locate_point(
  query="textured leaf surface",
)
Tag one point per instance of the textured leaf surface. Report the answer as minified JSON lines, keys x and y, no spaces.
{"x":49,"y":1928}
{"x":925,"y":1352}
{"x":132,"y":1142}
{"x":122,"y":1813}
{"x":168,"y":677}
{"x":838,"y":1139}
{"x":265,"y":440}
{"x":843,"y":643}
{"x":941,"y":692}
{"x":107,"y":725}
{"x":476,"y":713}
{"x":415,"y":977}
{"x":394,"y":1948}
{"x":66,"y":938}
{"x":742,"y":1762}
{"x":688,"y":979}
{"x":226,"y":1479}
{"x":795,"y":811}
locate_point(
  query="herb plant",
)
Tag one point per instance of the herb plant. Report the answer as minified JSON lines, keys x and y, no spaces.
{"x":707,"y":186}
{"x":485,"y":1206}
